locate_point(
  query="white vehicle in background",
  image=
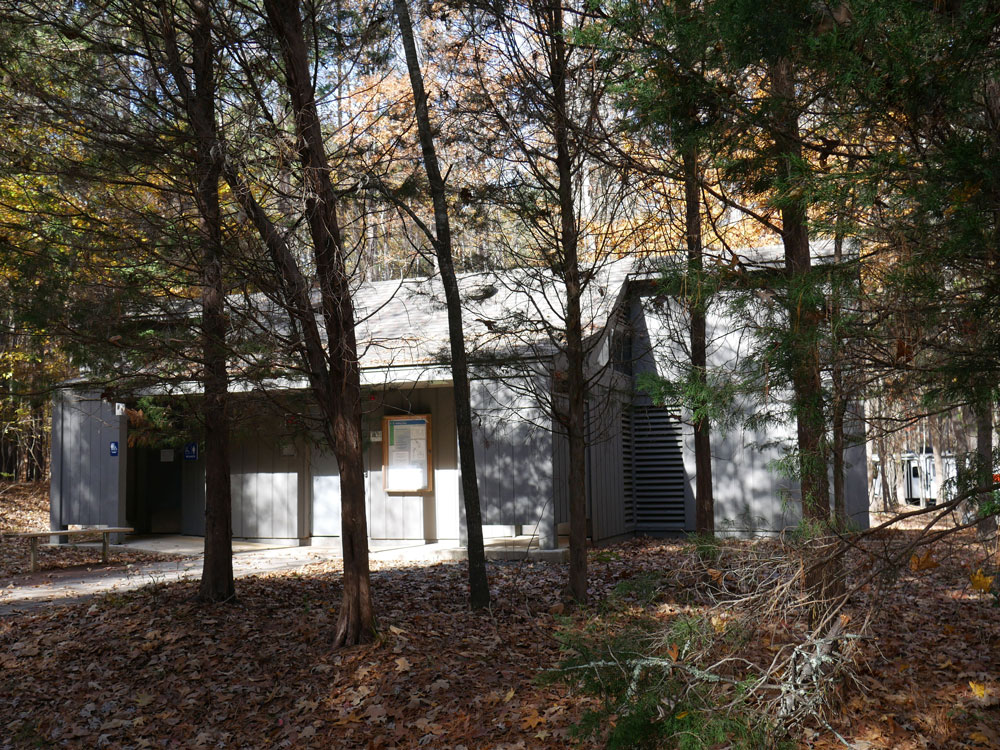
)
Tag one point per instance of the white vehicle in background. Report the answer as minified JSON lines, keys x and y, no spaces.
{"x":917,"y":483}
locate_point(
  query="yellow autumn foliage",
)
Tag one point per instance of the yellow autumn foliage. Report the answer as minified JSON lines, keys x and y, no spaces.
{"x":978,"y":689}
{"x":981,"y":582}
{"x":926,"y":562}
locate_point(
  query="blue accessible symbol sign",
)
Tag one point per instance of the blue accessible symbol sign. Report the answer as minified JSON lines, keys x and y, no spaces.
{"x":114,"y":448}
{"x":190,"y":451}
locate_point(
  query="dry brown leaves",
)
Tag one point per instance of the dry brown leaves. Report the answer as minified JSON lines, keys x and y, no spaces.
{"x":25,"y":507}
{"x":152,"y":668}
{"x":933,"y":672}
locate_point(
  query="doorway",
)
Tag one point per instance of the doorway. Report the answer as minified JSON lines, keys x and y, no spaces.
{"x":154,"y":494}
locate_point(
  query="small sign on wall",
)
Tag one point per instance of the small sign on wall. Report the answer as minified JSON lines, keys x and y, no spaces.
{"x":114,"y":448}
{"x":166,"y":455}
{"x":190,"y":451}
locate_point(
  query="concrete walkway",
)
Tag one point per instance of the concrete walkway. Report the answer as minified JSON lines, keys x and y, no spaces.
{"x":60,"y":586}
{"x":497,"y":548}
{"x":28,"y":593}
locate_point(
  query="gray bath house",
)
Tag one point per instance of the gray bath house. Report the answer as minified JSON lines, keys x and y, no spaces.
{"x":285,"y":485}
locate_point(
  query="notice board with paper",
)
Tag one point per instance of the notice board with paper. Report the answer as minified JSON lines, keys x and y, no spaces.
{"x":406,"y":453}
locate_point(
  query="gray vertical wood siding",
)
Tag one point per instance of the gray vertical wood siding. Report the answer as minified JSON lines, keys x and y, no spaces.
{"x":422,"y":516}
{"x":751,"y":495}
{"x":266,"y":487}
{"x":88,"y":483}
{"x":521,"y":457}
{"x":604,"y":459}
{"x":560,"y":472}
{"x":605,"y":468}
{"x":325,"y":492}
{"x":193,"y":496}
{"x":514,"y":457}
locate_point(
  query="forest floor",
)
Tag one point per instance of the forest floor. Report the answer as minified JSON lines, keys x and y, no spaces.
{"x":25,"y":507}
{"x":152,"y":668}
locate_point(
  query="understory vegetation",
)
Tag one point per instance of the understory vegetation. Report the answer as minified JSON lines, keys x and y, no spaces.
{"x":687,"y":645}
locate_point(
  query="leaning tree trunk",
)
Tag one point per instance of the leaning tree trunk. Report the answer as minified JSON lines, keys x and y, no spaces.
{"x":479,"y":590}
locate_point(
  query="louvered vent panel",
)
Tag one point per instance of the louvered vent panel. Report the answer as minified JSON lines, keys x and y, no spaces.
{"x":628,"y":489}
{"x":657,"y":470}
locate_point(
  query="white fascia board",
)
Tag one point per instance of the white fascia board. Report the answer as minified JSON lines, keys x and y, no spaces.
{"x":373,"y":377}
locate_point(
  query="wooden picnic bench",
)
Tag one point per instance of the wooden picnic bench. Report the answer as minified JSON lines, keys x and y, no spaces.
{"x":106,"y":531}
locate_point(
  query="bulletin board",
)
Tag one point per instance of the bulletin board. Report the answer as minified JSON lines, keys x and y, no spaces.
{"x":406,"y":453}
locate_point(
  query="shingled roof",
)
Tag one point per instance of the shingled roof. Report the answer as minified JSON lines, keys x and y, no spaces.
{"x":510,"y":313}
{"x":402,"y":324}
{"x":518,"y":313}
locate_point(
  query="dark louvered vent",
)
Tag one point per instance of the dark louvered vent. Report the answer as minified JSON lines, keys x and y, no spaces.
{"x":628,"y":490}
{"x":657,"y":470}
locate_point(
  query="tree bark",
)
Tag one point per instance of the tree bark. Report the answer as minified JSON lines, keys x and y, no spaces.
{"x":340,"y":375}
{"x":342,"y":428}
{"x":983,"y":411}
{"x":936,"y":429}
{"x":479,"y":591}
{"x":803,"y":316}
{"x":575,"y":417}
{"x":697,"y":305}
{"x":884,"y":464}
{"x":839,"y":407}
{"x":199,"y":101}
{"x":217,"y":574}
{"x":839,"y":499}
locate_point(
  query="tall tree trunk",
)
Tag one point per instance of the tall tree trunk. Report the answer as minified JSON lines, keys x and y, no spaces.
{"x":823,"y":581}
{"x":839,"y":398}
{"x":983,"y":411}
{"x":884,"y":462}
{"x":199,"y":101}
{"x":936,"y":429}
{"x":341,"y":406}
{"x":902,"y":473}
{"x":217,"y":575}
{"x":39,"y":442}
{"x":839,"y":479}
{"x":356,"y":620}
{"x":803,"y":316}
{"x":697,"y":306}
{"x":479,"y":591}
{"x":574,"y":419}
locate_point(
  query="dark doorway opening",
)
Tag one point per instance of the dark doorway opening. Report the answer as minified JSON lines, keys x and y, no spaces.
{"x":153,"y":501}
